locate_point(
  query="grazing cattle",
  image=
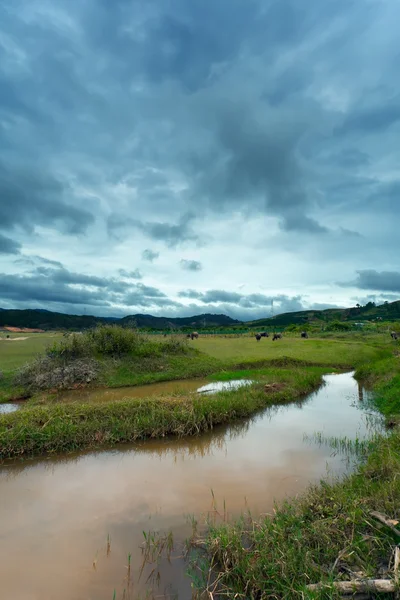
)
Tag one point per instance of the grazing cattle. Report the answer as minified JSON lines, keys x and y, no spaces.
{"x":394,"y":335}
{"x":194,"y":335}
{"x":277,"y":336}
{"x":264,"y":334}
{"x":258,"y":337}
{"x":304,"y":334}
{"x":189,"y":335}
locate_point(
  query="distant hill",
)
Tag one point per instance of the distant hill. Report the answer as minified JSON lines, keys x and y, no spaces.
{"x":40,"y":319}
{"x":198,"y":321}
{"x":389,"y":311}
{"x":44,"y":319}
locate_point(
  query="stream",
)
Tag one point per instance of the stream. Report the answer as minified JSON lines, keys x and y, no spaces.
{"x":57,"y":513}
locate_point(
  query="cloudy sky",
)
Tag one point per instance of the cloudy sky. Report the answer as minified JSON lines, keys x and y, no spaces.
{"x":178,"y":157}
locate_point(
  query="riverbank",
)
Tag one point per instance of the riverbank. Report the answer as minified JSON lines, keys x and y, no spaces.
{"x":328,"y":535}
{"x":57,"y":427}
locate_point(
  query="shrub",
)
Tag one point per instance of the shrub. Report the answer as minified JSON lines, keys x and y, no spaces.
{"x":338,"y":326}
{"x":106,"y":340}
{"x":49,"y":373}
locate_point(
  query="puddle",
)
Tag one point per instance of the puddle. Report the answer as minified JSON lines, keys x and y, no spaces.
{"x":8,"y":407}
{"x":220,"y":386}
{"x":56,"y":513}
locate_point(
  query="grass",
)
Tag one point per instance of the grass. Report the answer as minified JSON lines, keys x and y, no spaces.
{"x":15,"y":353}
{"x":326,"y":535}
{"x":340,"y":353}
{"x":67,"y":427}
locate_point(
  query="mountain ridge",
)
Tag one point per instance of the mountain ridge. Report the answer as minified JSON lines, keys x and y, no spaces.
{"x":44,"y":319}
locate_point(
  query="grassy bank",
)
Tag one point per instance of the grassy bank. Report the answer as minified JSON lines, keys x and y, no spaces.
{"x":66,"y":427}
{"x":329,"y":534}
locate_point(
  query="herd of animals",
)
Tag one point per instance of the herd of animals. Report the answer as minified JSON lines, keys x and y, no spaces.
{"x":278,"y":336}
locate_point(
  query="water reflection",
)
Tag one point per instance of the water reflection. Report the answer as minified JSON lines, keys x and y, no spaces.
{"x":228,"y":386}
{"x":8,"y":407}
{"x":57,"y":513}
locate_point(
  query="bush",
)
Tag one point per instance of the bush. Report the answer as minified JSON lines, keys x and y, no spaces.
{"x":106,"y":340}
{"x":75,"y":359}
{"x":338,"y":326}
{"x":47,"y":373}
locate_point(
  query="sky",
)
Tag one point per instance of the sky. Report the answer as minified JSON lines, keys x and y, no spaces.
{"x":176,"y":158}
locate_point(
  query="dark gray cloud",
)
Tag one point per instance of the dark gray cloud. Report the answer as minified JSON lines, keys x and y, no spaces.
{"x":261,"y":302}
{"x":172,"y":234}
{"x":58,"y":288}
{"x":150,"y":255}
{"x":9,"y":246}
{"x":136,"y":274}
{"x":27,"y":288}
{"x":190,"y":265}
{"x":232,"y":127}
{"x":30,"y":198}
{"x":369,"y":279}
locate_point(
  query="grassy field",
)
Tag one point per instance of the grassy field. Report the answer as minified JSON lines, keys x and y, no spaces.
{"x":15,"y":352}
{"x":114,"y":357}
{"x":350,"y":351}
{"x":209,"y":355}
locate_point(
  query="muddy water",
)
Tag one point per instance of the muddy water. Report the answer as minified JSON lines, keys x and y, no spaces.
{"x":55,"y":514}
{"x":151,"y":389}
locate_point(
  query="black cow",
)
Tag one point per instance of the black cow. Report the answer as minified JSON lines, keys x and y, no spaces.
{"x":194,"y":335}
{"x":258,"y":337}
{"x":277,"y":336}
{"x":264,"y":334}
{"x":304,"y":334}
{"x":394,"y":335}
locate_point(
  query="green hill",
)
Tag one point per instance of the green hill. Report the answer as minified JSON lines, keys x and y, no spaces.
{"x":44,"y":319}
{"x":389,"y":311}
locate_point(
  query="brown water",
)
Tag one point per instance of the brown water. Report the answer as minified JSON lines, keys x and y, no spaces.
{"x":152,"y":389}
{"x":56,"y":513}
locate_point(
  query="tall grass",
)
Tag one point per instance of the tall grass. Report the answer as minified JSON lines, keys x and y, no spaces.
{"x":114,"y":341}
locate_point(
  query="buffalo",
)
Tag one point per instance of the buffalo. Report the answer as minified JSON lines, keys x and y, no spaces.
{"x":258,"y":337}
{"x":304,"y":334}
{"x":264,"y":334}
{"x":394,"y":335}
{"x":277,"y":336}
{"x":194,"y":335}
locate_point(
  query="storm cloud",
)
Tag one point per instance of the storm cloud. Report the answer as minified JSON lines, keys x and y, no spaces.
{"x":259,"y":136}
{"x":369,"y":279}
{"x":8,"y":246}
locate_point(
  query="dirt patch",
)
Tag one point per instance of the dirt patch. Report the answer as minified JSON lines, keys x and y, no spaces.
{"x":271,"y":388}
{"x":18,"y":339}
{"x":21,"y":329}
